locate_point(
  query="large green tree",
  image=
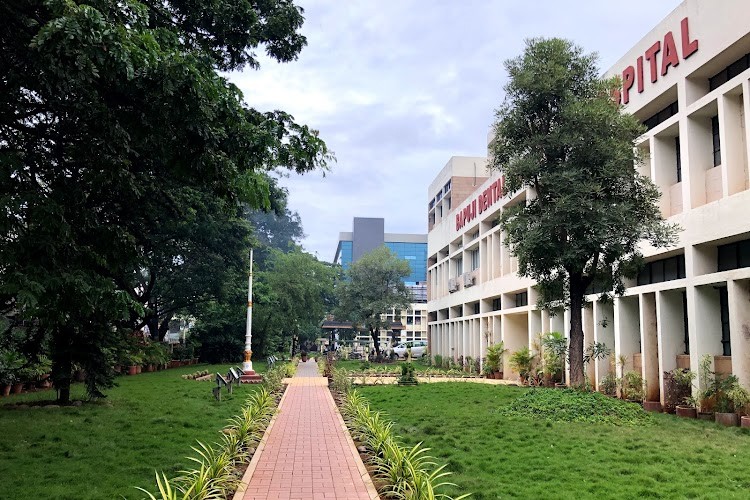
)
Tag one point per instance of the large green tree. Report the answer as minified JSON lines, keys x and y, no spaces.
{"x":560,"y":136}
{"x":372,"y":287}
{"x":126,"y":160}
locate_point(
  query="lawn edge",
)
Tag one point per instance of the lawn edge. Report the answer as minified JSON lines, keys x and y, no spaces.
{"x":245,"y":481}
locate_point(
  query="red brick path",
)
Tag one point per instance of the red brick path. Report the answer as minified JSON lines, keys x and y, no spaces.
{"x":308,"y":453}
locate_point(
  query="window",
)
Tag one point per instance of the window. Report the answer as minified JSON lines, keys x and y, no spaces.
{"x":726,"y":345}
{"x":474,"y":259}
{"x":734,"y":255}
{"x":497,"y":304}
{"x":672,"y":268}
{"x":729,"y":72}
{"x":716,"y":140}
{"x":476,"y":308}
{"x":449,"y":202}
{"x":474,"y":235}
{"x":522,"y":299}
{"x":678,"y":157}
{"x":459,"y":266}
{"x":447,"y":187}
{"x":661,"y":116}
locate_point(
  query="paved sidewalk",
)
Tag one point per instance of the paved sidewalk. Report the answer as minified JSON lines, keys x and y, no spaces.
{"x":307,"y":452}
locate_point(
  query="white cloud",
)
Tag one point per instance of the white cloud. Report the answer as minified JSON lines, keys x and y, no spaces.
{"x":397,"y":87}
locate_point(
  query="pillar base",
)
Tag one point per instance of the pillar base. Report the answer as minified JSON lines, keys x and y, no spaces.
{"x":250,"y":377}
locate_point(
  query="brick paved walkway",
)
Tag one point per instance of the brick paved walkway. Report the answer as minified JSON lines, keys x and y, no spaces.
{"x":308,"y":453}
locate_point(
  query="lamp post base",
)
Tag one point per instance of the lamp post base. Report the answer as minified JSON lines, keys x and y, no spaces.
{"x":250,"y":377}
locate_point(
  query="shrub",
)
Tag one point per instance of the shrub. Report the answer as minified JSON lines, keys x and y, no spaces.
{"x":341,"y":381}
{"x":571,"y":405}
{"x":633,"y":386}
{"x":521,"y":361}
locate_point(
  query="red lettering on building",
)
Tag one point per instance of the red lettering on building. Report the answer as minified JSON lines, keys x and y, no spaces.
{"x":481,"y":203}
{"x":651,"y":53}
{"x":670,"y":57}
{"x":688,"y":47}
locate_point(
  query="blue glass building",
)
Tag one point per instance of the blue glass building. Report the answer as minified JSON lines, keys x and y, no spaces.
{"x":369,"y":234}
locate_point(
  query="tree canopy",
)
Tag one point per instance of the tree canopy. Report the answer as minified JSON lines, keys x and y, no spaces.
{"x":561,"y":137}
{"x":372,"y":287}
{"x":127,"y":161}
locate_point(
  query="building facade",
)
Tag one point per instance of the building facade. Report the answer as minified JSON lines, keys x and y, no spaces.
{"x":368,"y":234}
{"x":687,"y":81}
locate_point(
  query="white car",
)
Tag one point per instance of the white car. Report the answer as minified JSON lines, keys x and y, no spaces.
{"x":418,"y":349}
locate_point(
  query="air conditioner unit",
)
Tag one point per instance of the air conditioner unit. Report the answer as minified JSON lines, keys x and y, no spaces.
{"x":452,"y":285}
{"x":468,"y":280}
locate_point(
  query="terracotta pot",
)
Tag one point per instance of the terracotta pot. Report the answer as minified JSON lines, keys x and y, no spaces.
{"x":150,"y":368}
{"x":17,"y":388}
{"x":139,"y":369}
{"x":132,"y":370}
{"x":706,"y":415}
{"x":654,"y":406}
{"x":745,"y":421}
{"x":728,"y":419}
{"x":6,"y":390}
{"x":117,"y":368}
{"x":686,"y":412}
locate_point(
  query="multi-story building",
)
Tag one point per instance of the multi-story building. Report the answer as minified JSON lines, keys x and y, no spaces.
{"x":688,"y":81}
{"x":368,"y":234}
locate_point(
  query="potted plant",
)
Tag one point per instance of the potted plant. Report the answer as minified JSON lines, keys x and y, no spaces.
{"x":707,"y":395}
{"x":494,"y":359}
{"x":730,"y":398}
{"x":633,"y":387}
{"x":522,"y":361}
{"x":11,"y":362}
{"x":678,"y":386}
{"x":303,"y":356}
{"x":687,"y":408}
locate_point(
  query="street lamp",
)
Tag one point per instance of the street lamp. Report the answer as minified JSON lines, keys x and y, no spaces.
{"x":248,"y":374}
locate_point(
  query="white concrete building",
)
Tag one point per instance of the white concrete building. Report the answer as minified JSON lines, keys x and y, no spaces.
{"x":688,"y":81}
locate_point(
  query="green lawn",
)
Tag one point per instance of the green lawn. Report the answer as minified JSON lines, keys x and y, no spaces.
{"x":102,"y":450}
{"x":500,"y":457}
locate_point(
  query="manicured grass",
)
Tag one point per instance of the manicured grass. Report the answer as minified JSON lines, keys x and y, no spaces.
{"x":494,"y":456}
{"x":105,"y":449}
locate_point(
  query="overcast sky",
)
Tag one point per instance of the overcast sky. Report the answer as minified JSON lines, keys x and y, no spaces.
{"x":398,"y":87}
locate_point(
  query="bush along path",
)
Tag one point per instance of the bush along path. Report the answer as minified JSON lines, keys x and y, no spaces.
{"x":398,"y":471}
{"x":219,"y":467}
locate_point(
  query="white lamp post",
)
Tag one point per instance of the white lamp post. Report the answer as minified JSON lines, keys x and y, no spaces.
{"x":249,"y":374}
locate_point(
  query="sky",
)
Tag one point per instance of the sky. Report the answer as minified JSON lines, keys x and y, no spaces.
{"x":397,"y":87}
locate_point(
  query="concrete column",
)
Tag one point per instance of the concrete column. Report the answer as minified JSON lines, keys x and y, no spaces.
{"x":650,"y":346}
{"x":739,"y":326}
{"x":704,"y":324}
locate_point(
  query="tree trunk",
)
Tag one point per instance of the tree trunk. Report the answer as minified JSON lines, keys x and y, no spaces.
{"x":575,"y":349}
{"x":153,"y":326}
{"x":164,"y":327}
{"x":375,"y":334}
{"x":62,"y":364}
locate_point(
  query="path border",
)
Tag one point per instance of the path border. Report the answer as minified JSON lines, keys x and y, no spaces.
{"x":371,"y":490}
{"x":245,"y":481}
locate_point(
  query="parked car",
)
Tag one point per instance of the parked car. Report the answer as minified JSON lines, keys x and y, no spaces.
{"x":418,"y":349}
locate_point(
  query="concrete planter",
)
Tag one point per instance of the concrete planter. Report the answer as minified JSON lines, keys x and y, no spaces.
{"x":686,"y":412}
{"x":654,"y":406}
{"x":706,"y":415}
{"x":728,"y":419}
